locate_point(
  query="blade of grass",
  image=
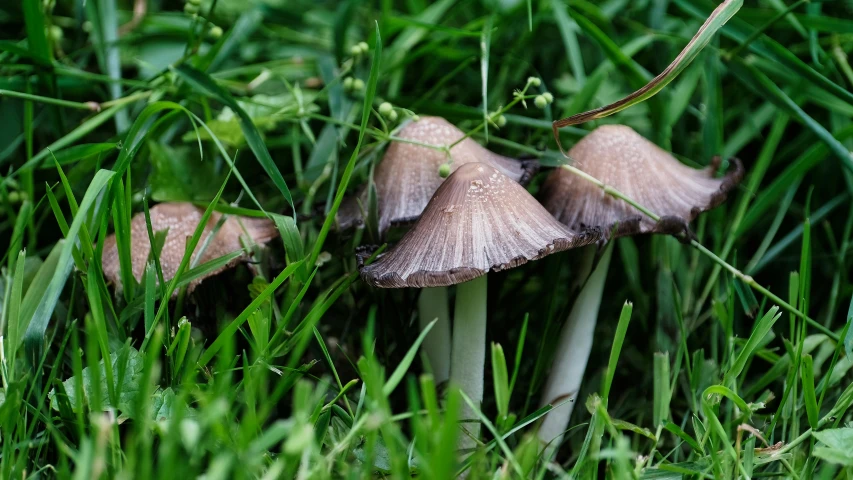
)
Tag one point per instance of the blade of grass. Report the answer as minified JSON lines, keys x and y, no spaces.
{"x":485,"y":44}
{"x":202,"y":81}
{"x":706,"y":32}
{"x":568,"y":27}
{"x":34,"y":335}
{"x":345,"y":177}
{"x":739,"y":31}
{"x":235,"y":324}
{"x":616,"y":349}
{"x":762,"y":328}
{"x":404,"y":364}
{"x":36,"y":30}
{"x":86,"y":128}
{"x":809,"y":397}
{"x":500,"y":380}
{"x":15,"y":322}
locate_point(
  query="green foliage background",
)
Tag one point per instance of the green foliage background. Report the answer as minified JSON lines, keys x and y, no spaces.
{"x":302,"y":370}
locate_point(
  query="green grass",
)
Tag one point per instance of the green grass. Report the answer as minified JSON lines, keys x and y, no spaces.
{"x":723,"y":364}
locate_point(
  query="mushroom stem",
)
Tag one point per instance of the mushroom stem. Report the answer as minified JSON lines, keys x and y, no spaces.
{"x":433,"y":305}
{"x":572,"y":354}
{"x":468,"y":354}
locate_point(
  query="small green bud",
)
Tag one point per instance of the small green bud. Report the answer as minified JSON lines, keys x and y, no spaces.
{"x":55,"y":33}
{"x":385,"y":109}
{"x":363,"y":47}
{"x":415,"y":118}
{"x":548,"y":97}
{"x":500,"y":121}
{"x":87,"y":26}
{"x":357,"y":84}
{"x":535,"y":81}
{"x":540,"y":101}
{"x":191,"y":9}
{"x":215,"y":31}
{"x":348,"y":83}
{"x":355,"y":50}
{"x":444,"y":170}
{"x":392,"y":116}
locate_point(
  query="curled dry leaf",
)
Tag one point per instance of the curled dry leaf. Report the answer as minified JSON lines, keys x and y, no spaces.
{"x":478,"y":220}
{"x":771,"y":449}
{"x":407,"y":176}
{"x":181,"y":220}
{"x":645,"y":173}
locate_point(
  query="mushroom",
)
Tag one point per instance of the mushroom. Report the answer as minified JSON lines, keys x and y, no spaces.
{"x":408,"y":174}
{"x":622,"y":159}
{"x":405,"y":180}
{"x":479,"y":220}
{"x":181,"y":220}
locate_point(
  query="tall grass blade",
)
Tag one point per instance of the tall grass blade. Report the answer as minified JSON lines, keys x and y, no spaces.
{"x":36,"y":326}
{"x":204,"y":83}
{"x":706,"y":32}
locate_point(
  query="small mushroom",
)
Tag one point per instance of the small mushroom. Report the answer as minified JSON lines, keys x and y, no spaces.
{"x":479,"y":220}
{"x":622,"y":159}
{"x":408,"y":174}
{"x":645,"y":173}
{"x":405,"y":180}
{"x":181,"y":220}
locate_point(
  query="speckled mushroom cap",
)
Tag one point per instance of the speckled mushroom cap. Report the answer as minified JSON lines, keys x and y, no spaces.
{"x":624,"y":160}
{"x":181,"y":219}
{"x":478,"y":220}
{"x":408,"y":175}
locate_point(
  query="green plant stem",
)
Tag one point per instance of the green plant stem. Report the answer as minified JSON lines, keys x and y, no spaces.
{"x":468,"y":353}
{"x":433,"y":305}
{"x":572,"y":354}
{"x":518,"y":98}
{"x":734,"y":271}
{"x":91,"y":106}
{"x":767,"y":293}
{"x":757,"y":174}
{"x":128,"y":99}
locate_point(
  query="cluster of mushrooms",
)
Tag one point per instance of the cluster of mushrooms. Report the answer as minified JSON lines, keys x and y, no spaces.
{"x":481,"y":219}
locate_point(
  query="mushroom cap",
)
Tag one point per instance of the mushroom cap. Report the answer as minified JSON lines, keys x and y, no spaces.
{"x":181,"y":220}
{"x":645,"y":173}
{"x":408,"y":175}
{"x":478,"y":220}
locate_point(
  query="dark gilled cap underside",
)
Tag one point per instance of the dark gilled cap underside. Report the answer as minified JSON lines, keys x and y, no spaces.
{"x":407,"y":176}
{"x":478,"y":220}
{"x":624,"y":160}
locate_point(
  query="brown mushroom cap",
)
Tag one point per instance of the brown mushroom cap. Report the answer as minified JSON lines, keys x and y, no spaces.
{"x":408,"y":175}
{"x":181,"y":219}
{"x":645,"y":173}
{"x":478,"y":220}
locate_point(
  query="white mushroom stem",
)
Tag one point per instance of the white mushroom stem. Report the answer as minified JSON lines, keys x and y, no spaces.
{"x":468,"y":355}
{"x":572,"y":354}
{"x":433,"y":305}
